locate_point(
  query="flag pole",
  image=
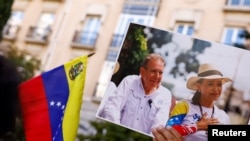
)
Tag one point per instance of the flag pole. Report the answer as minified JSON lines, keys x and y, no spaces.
{"x":91,"y":54}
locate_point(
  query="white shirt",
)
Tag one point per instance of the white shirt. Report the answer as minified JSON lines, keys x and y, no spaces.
{"x":131,"y":107}
{"x":192,"y":114}
{"x":202,"y":135}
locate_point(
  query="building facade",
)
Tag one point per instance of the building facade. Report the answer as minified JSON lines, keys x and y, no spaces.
{"x":56,"y":31}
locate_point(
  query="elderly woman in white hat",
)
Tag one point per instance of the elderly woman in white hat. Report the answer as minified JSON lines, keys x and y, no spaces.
{"x":192,"y":117}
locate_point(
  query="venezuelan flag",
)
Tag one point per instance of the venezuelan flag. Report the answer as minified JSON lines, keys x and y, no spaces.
{"x":178,"y":113}
{"x":51,"y":102}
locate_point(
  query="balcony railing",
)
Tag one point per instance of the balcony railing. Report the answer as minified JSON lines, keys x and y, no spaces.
{"x":237,"y":5}
{"x":85,"y":39}
{"x":38,"y":34}
{"x":10,"y":31}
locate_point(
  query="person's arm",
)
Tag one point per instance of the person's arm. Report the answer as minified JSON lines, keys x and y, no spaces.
{"x":163,"y":104}
{"x":166,"y":134}
{"x":202,"y":124}
{"x":116,"y":102}
{"x":176,"y":118}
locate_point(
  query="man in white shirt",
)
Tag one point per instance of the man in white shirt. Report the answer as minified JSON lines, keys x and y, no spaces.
{"x":141,"y":102}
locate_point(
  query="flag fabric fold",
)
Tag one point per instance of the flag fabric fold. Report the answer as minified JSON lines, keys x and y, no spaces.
{"x":51,"y":102}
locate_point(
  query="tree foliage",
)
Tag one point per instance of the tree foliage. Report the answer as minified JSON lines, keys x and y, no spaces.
{"x":26,"y":63}
{"x":134,"y":50}
{"x":5,"y":12}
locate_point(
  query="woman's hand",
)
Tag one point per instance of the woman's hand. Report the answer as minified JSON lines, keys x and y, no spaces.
{"x":203,"y":123}
{"x":166,"y":134}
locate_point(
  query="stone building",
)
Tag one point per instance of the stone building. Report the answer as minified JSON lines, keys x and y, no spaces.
{"x":56,"y":31}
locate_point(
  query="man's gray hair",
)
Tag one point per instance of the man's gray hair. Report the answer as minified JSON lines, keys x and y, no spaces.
{"x":152,"y":56}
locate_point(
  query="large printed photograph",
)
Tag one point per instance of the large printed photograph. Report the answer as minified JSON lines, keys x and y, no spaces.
{"x":162,"y":78}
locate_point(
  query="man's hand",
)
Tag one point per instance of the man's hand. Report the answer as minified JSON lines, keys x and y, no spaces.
{"x":166,"y":134}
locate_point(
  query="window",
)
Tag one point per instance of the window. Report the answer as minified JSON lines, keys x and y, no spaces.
{"x":238,"y":2}
{"x":141,"y":13}
{"x":134,"y":11}
{"x":13,"y":24}
{"x":123,"y":24}
{"x":90,"y":30}
{"x":107,"y":72}
{"x":43,"y":27}
{"x":231,"y":36}
{"x":89,"y":33}
{"x":187,"y":29}
{"x":117,"y":40}
{"x":46,"y":20}
{"x":140,"y":9}
{"x":112,"y":55}
{"x":44,"y":24}
{"x":103,"y":81}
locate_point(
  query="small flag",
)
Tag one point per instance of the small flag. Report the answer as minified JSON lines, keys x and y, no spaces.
{"x":51,"y":102}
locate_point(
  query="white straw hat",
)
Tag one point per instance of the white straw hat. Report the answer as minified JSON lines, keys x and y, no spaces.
{"x":206,"y":71}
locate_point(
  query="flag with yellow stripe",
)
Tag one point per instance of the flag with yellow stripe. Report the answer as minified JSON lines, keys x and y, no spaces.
{"x":51,"y":102}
